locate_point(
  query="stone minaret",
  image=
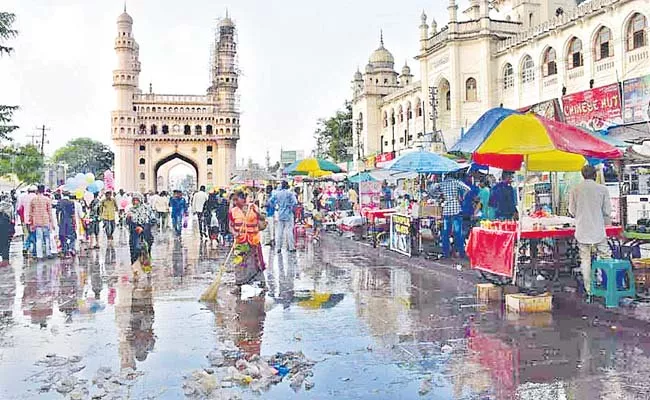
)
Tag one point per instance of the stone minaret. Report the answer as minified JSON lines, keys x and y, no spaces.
{"x":125,"y":82}
{"x":225,"y":77}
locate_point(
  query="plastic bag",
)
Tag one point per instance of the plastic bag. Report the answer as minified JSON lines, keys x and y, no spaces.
{"x":185,"y":218}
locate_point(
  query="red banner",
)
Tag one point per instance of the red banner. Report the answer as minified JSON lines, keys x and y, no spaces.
{"x":492,"y":251}
{"x":594,"y":109}
{"x":383,"y":158}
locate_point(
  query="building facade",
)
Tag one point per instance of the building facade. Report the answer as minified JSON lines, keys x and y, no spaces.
{"x":566,"y":61}
{"x":150,"y":130}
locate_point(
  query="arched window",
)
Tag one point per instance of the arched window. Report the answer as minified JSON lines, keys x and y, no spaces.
{"x":227,"y":120}
{"x":385,"y":119}
{"x":603,"y":47}
{"x":165,"y":129}
{"x":401,"y":113}
{"x":470,"y":90}
{"x":392,"y":116}
{"x":187,"y":130}
{"x":221,"y":120}
{"x":154,"y":130}
{"x":175,"y":109}
{"x":210,"y":176}
{"x":227,"y":131}
{"x":409,"y":111}
{"x":448,"y":100}
{"x":636,"y":32}
{"x":575,"y":58}
{"x":142,"y":129}
{"x":122,"y":130}
{"x":209,"y":161}
{"x":153,"y":109}
{"x":142,"y":176}
{"x":208,"y":130}
{"x":527,"y":70}
{"x":142,"y":161}
{"x":197,"y":129}
{"x":418,"y":108}
{"x":508,"y":77}
{"x":549,"y":67}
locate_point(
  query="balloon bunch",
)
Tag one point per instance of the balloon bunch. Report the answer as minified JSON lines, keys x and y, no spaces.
{"x":84,"y":186}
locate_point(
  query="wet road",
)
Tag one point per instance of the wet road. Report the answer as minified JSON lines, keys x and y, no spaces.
{"x":375,"y":328}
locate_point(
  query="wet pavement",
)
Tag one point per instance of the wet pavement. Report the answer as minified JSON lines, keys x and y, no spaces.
{"x":373,"y":325}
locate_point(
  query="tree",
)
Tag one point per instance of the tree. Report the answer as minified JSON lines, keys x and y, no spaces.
{"x":334,"y":135}
{"x":6,"y":112}
{"x":23,"y":162}
{"x":85,"y":155}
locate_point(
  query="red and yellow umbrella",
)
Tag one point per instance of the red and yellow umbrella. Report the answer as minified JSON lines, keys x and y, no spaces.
{"x":504,"y":138}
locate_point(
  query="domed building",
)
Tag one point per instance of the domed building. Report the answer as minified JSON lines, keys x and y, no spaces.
{"x":554,"y":57}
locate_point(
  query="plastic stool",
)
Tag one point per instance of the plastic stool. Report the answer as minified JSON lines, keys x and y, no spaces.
{"x":608,"y":280}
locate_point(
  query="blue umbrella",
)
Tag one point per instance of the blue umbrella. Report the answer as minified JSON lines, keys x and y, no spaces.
{"x":362,"y":177}
{"x":424,"y":162}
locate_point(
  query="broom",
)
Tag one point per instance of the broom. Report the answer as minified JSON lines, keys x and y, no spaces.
{"x":210,"y":294}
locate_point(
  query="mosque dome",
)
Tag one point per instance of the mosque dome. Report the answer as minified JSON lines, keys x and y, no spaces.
{"x":358,"y":76}
{"x":406,"y":70}
{"x":369,"y":69}
{"x":382,"y":58}
{"x":125,"y":18}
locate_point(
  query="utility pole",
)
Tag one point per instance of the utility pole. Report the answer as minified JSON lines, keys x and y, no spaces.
{"x":42,"y":129}
{"x":359,"y":128}
{"x":433,"y":115}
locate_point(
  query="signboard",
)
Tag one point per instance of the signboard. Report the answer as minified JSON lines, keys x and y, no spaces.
{"x":383,"y":159}
{"x":400,"y":234}
{"x":594,"y":109}
{"x":549,"y":109}
{"x":369,"y":194}
{"x":370,"y":162}
{"x":288,"y":156}
{"x":636,"y":99}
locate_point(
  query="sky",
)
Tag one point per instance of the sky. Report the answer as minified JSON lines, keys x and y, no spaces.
{"x":297,"y":59}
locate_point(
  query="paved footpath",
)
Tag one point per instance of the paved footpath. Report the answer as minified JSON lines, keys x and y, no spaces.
{"x":355,"y":322}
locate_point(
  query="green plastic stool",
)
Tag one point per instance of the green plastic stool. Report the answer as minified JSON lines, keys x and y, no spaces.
{"x":611,"y":283}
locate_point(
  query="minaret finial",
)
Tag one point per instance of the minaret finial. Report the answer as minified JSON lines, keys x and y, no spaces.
{"x":226,"y":13}
{"x":124,"y":5}
{"x":381,"y":37}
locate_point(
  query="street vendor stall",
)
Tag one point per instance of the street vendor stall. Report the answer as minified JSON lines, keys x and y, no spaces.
{"x":422,"y":214}
{"x":511,"y":140}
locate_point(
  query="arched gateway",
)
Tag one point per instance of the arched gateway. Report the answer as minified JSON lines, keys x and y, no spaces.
{"x":150,"y":130}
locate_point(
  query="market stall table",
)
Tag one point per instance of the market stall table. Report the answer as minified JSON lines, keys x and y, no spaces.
{"x":540,"y":252}
{"x":372,"y":215}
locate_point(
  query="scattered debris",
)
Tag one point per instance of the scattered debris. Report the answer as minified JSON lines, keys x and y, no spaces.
{"x":230,"y":369}
{"x":425,"y":386}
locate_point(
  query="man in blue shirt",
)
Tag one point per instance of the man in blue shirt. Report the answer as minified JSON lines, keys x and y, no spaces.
{"x":270,"y":215}
{"x":285,"y":201}
{"x":503,"y":197}
{"x":178,"y":205}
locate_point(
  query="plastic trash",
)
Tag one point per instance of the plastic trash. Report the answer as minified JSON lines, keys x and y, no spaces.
{"x":248,"y":292}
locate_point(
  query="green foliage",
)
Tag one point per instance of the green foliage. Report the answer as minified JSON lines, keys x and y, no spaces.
{"x":85,"y":155}
{"x":23,"y":162}
{"x":6,"y":112}
{"x":334,"y":135}
{"x":6,"y":33}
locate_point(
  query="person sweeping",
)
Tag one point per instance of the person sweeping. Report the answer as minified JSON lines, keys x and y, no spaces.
{"x":246,"y":252}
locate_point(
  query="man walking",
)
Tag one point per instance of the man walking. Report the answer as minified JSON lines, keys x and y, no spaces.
{"x":108,"y":212}
{"x":161,"y":207}
{"x":590,"y":205}
{"x":29,"y":238}
{"x":285,"y":201}
{"x":452,"y":191}
{"x":40,"y":220}
{"x":270,"y":216}
{"x":178,"y":204}
{"x":198,"y":201}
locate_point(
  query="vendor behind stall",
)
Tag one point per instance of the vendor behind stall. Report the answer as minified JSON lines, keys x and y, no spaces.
{"x":589,"y":203}
{"x":452,"y":191}
{"x":503,"y":198}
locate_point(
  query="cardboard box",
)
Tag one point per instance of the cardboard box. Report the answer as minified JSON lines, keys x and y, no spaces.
{"x":488,"y":293}
{"x":529,"y":304}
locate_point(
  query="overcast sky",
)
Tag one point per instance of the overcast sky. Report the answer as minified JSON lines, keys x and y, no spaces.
{"x":297,"y":59}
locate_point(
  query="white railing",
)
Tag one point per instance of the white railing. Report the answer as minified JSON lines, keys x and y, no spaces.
{"x":640,"y":54}
{"x":604,"y":65}
{"x":171,"y":98}
{"x":576,"y":73}
{"x":567,"y":17}
{"x":438,"y":37}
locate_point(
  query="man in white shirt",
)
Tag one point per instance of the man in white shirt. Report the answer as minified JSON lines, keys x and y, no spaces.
{"x":29,"y":237}
{"x":589,"y":203}
{"x":198,"y":201}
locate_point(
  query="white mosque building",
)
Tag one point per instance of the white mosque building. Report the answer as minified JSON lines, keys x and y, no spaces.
{"x":587,"y":64}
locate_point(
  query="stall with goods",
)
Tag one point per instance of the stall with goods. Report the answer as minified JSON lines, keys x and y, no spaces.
{"x":539,"y":243}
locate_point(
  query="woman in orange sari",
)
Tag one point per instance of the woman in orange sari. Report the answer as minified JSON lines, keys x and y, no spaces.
{"x":248,"y":261}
